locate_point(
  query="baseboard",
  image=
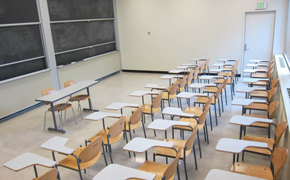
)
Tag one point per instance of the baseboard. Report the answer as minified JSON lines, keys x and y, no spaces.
{"x":146,"y":71}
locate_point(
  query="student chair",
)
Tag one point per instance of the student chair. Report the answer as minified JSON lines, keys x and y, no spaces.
{"x":58,"y":107}
{"x":170,"y":93}
{"x":49,"y":175}
{"x":77,"y":98}
{"x":154,"y":107}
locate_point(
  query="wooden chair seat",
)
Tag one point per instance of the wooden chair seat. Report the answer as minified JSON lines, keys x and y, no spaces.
{"x":211,"y":90}
{"x":71,"y":162}
{"x":269,"y":141}
{"x":252,"y":170}
{"x":225,"y":74}
{"x":260,"y":75}
{"x":220,"y":81}
{"x":154,"y":167}
{"x":192,"y":123}
{"x":203,"y":100}
{"x":61,"y":107}
{"x":258,"y":124}
{"x":104,"y":133}
{"x":257,"y":106}
{"x":256,"y":115}
{"x":147,"y":109}
{"x":260,"y":83}
{"x":80,"y":97}
{"x":165,"y":95}
{"x":133,"y":126}
{"x":259,"y":94}
{"x":170,"y":152}
{"x":51,"y":175}
{"x":194,"y":110}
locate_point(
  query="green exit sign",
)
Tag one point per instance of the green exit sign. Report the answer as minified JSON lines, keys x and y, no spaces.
{"x":261,"y":5}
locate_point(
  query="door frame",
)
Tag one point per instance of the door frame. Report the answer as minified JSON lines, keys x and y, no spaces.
{"x":244,"y":36}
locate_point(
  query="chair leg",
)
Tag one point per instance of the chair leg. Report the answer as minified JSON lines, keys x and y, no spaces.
{"x":215,"y":114}
{"x":143,"y":128}
{"x":45,"y":119}
{"x":199,"y":143}
{"x":226,"y":98}
{"x":204,"y":133}
{"x":110,"y":152}
{"x":210,"y":119}
{"x":74,"y":115}
{"x":195,"y":157}
{"x":60,"y":118}
{"x":184,"y":162}
{"x":152,"y":121}
{"x":222,"y":102}
{"x":231,"y":91}
{"x":80,"y":108}
{"x":219,"y":104}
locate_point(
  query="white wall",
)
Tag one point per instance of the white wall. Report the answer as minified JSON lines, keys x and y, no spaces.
{"x":184,"y":29}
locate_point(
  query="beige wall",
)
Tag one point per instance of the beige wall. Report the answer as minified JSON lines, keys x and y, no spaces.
{"x":20,"y":94}
{"x":184,"y":29}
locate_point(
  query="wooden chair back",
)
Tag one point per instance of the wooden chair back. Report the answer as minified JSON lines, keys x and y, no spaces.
{"x":220,"y":88}
{"x":49,"y":175}
{"x":170,"y":171}
{"x":207,"y":63}
{"x":271,"y":94}
{"x":282,"y":126}
{"x":117,"y":128}
{"x":91,"y":151}
{"x":201,"y":69}
{"x":278,"y":159}
{"x":274,"y":83}
{"x":272,"y":108}
{"x":183,"y":82}
{"x":209,"y":101}
{"x":157,"y":101}
{"x":136,"y":116}
{"x":69,"y":83}
{"x":190,"y":77}
{"x":189,"y":143}
{"x":202,"y":117}
{"x":270,"y":73}
{"x":172,"y":89}
{"x":48,"y":91}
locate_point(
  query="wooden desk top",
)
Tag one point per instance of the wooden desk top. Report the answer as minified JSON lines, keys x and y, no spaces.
{"x":247,"y":120}
{"x":96,"y":116}
{"x":57,"y":144}
{"x":237,"y":146}
{"x":26,"y":160}
{"x":163,"y":124}
{"x":116,"y":171}
{"x":140,"y":145}
{"x":216,"y":174}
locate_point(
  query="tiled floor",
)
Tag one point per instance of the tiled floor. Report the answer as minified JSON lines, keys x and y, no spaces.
{"x":25,"y":133}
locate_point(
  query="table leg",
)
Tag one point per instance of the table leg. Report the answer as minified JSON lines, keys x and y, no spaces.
{"x":142,"y":99}
{"x":104,"y":126}
{"x":90,"y":103}
{"x":146,"y":155}
{"x":241,"y":129}
{"x":54,"y":121}
{"x":234,"y":158}
{"x":165,"y":134}
{"x":35,"y":171}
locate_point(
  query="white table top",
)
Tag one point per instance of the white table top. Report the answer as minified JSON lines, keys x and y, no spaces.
{"x":176,"y":71}
{"x":207,"y":77}
{"x":66,"y":91}
{"x":246,"y":102}
{"x":187,"y":95}
{"x":249,"y":89}
{"x":188,"y":64}
{"x":170,"y":76}
{"x":198,"y":59}
{"x":216,"y":174}
{"x":253,"y":80}
{"x":176,"y":112}
{"x":28,"y":159}
{"x":57,"y":144}
{"x":200,"y":85}
{"x":143,"y":93}
{"x":222,"y":64}
{"x":116,"y":171}
{"x":259,"y":60}
{"x":255,"y":70}
{"x":237,"y":146}
{"x":247,"y":120}
{"x":216,"y":70}
{"x":257,"y":65}
{"x":119,"y":105}
{"x":154,"y":86}
{"x":163,"y":124}
{"x":140,"y":145}
{"x":182,"y":67}
{"x":96,"y":116}
{"x":224,"y":60}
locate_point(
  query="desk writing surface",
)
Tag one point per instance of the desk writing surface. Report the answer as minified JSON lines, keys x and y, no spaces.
{"x":246,"y":102}
{"x":237,"y":146}
{"x":154,"y":86}
{"x":57,"y":144}
{"x":119,"y":172}
{"x":163,"y":124}
{"x":170,"y":76}
{"x":216,"y":174}
{"x":253,"y":80}
{"x":140,"y":145}
{"x":66,"y":91}
{"x":176,"y":112}
{"x":247,"y":120}
{"x":28,"y":159}
{"x":100,"y":115}
{"x":142,"y":93}
{"x":249,"y":89}
{"x":259,"y":60}
{"x":187,"y":95}
{"x":119,"y":105}
{"x":207,"y":77}
{"x":200,"y":85}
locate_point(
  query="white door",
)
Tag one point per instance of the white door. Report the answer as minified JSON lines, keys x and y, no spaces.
{"x":259,"y":34}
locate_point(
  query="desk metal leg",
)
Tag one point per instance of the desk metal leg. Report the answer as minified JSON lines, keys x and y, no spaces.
{"x":234,"y":158}
{"x":54,"y":121}
{"x":104,"y":126}
{"x":90,"y":103}
{"x":35,"y":171}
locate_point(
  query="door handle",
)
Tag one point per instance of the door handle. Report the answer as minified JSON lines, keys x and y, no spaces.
{"x":245,"y":47}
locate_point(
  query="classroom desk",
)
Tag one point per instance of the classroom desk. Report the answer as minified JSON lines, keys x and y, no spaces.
{"x":247,"y":121}
{"x":65,"y":92}
{"x":172,"y":111}
{"x":222,"y":64}
{"x":169,"y":77}
{"x":259,"y":60}
{"x":227,"y":60}
{"x":255,"y":70}
{"x":140,"y":145}
{"x":28,"y":159}
{"x":188,"y":95}
{"x":163,"y":125}
{"x":155,"y":86}
{"x":116,"y":171}
{"x":198,"y":59}
{"x":257,"y":65}
{"x":57,"y":144}
{"x":190,"y":65}
{"x":200,"y":86}
{"x":218,"y":70}
{"x":119,"y":106}
{"x":246,"y":102}
{"x":216,"y":174}
{"x":184,"y":67}
{"x":208,"y":77}
{"x":142,"y":94}
{"x":236,"y":146}
{"x":177,"y":71}
{"x":248,"y":90}
{"x":96,"y":116}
